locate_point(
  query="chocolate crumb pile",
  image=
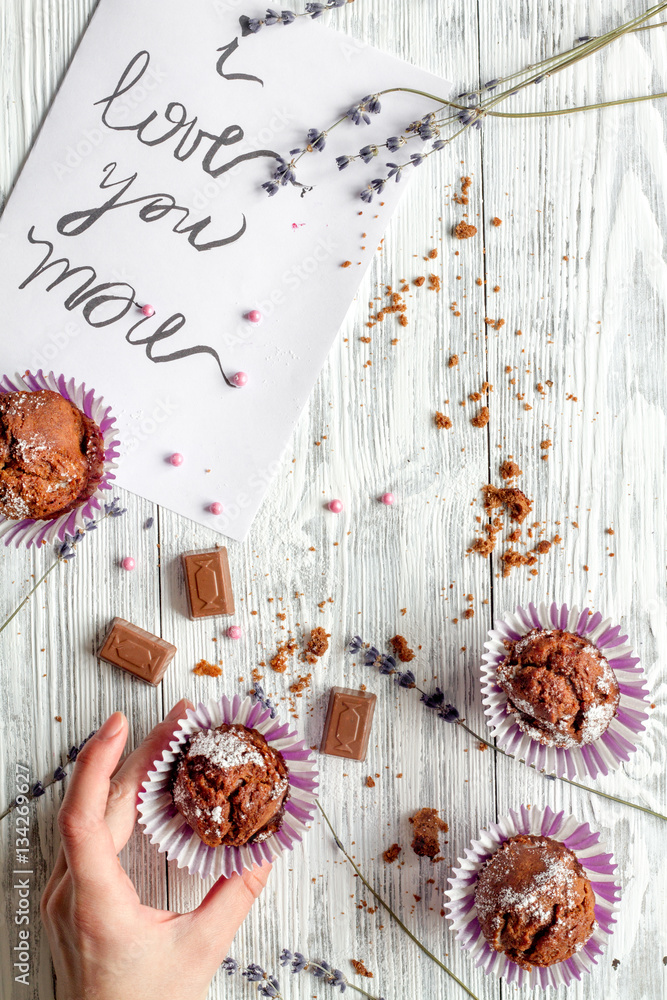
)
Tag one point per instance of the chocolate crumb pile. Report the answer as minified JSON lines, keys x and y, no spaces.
{"x":317,"y":645}
{"x":360,"y":968}
{"x":206,"y":669}
{"x":534,"y":901}
{"x":391,"y":854}
{"x":427,"y":827}
{"x":401,"y":649}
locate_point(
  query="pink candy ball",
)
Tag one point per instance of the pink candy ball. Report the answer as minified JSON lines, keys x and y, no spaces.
{"x":388,"y":499}
{"x":148,"y":310}
{"x":215,"y":508}
{"x":240,"y":379}
{"x":335,"y":506}
{"x":234,"y":632}
{"x":175,"y":459}
{"x":254,"y":316}
{"x":128,"y":563}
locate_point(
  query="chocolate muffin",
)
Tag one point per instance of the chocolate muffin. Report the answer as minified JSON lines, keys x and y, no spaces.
{"x":51,"y":455}
{"x":534,"y":901}
{"x":559,"y":686}
{"x":231,"y":786}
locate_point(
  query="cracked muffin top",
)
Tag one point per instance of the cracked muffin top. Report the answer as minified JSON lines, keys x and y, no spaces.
{"x":231,"y":786}
{"x":51,"y":455}
{"x":559,"y":686}
{"x":534,"y":901}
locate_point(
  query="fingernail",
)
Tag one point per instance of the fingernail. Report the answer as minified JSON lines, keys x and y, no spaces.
{"x":111,"y":727}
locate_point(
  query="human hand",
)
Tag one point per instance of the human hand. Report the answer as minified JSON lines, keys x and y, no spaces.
{"x":106,"y":945}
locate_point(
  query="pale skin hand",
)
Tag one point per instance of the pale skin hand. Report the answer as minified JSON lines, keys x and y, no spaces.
{"x":105,"y":944}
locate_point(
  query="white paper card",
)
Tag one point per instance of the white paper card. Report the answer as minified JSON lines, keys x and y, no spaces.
{"x":136,"y":190}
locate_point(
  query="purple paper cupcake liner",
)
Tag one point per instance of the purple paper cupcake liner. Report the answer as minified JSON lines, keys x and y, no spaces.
{"x":28,"y":530}
{"x":598,"y":864}
{"x":619,"y":741}
{"x":166,"y":827}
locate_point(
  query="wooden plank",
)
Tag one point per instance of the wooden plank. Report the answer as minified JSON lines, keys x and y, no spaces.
{"x":584,"y":188}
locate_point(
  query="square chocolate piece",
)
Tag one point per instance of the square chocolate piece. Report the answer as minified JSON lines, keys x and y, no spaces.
{"x":348,"y":724}
{"x":140,"y":653}
{"x":208,"y":583}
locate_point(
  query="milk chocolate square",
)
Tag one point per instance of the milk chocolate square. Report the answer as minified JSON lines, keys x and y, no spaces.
{"x":140,"y":653}
{"x":348,"y":724}
{"x":208,"y":583}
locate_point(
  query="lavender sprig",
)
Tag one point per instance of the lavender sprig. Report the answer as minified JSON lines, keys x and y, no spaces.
{"x":481,"y":103}
{"x":267,"y":985}
{"x":39,"y":787}
{"x":387,"y":907}
{"x":386,"y":665}
{"x":65,"y":551}
{"x":251,"y":25}
{"x":260,"y":696}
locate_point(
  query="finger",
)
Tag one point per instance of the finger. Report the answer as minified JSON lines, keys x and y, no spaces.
{"x":225,"y":907}
{"x":59,"y":869}
{"x":121,"y":809}
{"x":85,"y":837}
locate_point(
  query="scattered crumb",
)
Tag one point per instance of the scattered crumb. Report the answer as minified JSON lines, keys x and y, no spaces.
{"x":495,"y":221}
{"x":317,"y":645}
{"x":370,"y":783}
{"x":346,"y":263}
{"x":427,"y":827}
{"x":300,"y":684}
{"x":279,"y":661}
{"x":482,"y":418}
{"x":442,"y":421}
{"x":464,"y":231}
{"x":360,"y":968}
{"x":391,"y":854}
{"x":453,"y":361}
{"x":516,"y":503}
{"x":509,"y":470}
{"x":401,"y":648}
{"x":206,"y":669}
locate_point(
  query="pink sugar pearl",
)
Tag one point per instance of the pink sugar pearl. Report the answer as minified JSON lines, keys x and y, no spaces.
{"x":335,"y":506}
{"x":388,"y":499}
{"x":240,"y":379}
{"x":175,"y":459}
{"x":254,"y":316}
{"x":215,"y":507}
{"x":234,"y":631}
{"x":148,"y":310}
{"x":128,"y":563}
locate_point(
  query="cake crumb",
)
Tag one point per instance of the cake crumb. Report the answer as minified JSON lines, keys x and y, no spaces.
{"x":495,"y":221}
{"x":464,"y":231}
{"x":370,"y":782}
{"x":360,"y":968}
{"x":509,"y":470}
{"x":391,"y":854}
{"x":206,"y":669}
{"x":453,"y":361}
{"x":442,"y":421}
{"x":279,"y":661}
{"x":482,"y":418}
{"x":317,"y":645}
{"x":427,"y":827}
{"x":401,"y":648}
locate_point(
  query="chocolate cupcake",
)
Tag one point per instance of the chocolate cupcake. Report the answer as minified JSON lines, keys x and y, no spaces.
{"x":231,"y":786}
{"x":534,"y":901}
{"x":51,"y":455}
{"x":559,"y":686}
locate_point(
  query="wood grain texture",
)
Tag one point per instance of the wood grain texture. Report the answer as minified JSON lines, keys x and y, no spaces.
{"x":580,"y":263}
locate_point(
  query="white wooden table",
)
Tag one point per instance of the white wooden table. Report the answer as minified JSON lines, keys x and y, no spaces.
{"x":580,"y":263}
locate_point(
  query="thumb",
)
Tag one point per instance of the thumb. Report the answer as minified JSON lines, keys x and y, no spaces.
{"x":225,"y":907}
